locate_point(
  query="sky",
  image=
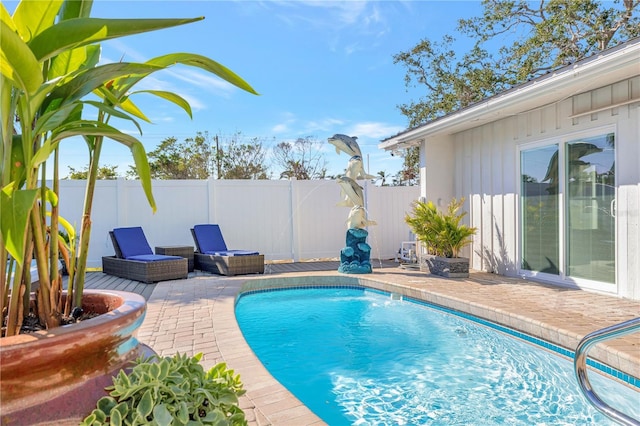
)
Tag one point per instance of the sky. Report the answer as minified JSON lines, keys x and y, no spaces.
{"x":320,"y":68}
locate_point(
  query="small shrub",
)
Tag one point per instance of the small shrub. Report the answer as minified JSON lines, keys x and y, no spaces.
{"x":171,"y":391}
{"x":441,"y":232}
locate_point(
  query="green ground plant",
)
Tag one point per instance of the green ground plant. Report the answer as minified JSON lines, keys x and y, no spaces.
{"x":171,"y":391}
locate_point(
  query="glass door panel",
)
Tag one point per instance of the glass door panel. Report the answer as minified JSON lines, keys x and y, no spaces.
{"x":539,"y":173}
{"x":590,"y":209}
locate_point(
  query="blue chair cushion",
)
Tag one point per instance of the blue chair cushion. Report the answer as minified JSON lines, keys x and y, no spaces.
{"x":152,"y":257}
{"x":132,"y":242}
{"x":209,"y":238}
{"x":210,"y":241}
{"x":232,"y":253}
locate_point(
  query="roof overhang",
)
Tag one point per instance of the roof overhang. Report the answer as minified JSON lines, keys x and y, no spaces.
{"x":607,"y":67}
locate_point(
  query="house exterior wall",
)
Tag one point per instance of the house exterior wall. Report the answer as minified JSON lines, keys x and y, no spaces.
{"x":485,"y":170}
{"x":285,"y":220}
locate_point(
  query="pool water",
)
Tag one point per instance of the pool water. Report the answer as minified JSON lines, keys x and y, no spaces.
{"x":360,"y":357}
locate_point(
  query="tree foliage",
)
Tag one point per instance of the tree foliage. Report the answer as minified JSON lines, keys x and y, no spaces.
{"x":105,"y":172}
{"x":535,"y":37}
{"x":190,"y":159}
{"x":204,"y":157}
{"x":302,"y":159}
{"x":243,"y":160}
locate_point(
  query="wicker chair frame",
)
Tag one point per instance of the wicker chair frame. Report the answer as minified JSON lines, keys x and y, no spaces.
{"x":146,"y":272}
{"x":227,"y":265}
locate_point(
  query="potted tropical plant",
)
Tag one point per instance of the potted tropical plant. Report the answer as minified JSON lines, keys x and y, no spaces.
{"x":52,"y":87}
{"x":443,"y":236}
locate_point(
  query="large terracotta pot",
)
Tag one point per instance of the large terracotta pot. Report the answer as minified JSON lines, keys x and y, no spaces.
{"x":57,"y":376}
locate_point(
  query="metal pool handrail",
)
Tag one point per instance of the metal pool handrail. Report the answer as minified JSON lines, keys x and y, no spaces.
{"x":580,"y":367}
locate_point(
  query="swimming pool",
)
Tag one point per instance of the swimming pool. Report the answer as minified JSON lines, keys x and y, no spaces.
{"x":357,"y":356}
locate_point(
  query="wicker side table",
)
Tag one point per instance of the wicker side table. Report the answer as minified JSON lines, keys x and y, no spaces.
{"x":182,"y":251}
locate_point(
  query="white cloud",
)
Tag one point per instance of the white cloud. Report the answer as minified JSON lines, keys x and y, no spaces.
{"x":288,"y":118}
{"x":345,"y":23}
{"x":324,"y":125}
{"x":280,"y":128}
{"x":374,"y":129}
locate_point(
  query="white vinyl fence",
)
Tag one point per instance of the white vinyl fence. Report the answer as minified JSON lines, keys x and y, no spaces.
{"x":284,"y":220}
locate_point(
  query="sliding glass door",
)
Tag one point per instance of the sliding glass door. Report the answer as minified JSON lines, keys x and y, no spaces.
{"x":567,"y":214}
{"x":539,"y":210}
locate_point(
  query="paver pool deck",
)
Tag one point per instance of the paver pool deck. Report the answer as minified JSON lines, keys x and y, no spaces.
{"x":197,"y":315}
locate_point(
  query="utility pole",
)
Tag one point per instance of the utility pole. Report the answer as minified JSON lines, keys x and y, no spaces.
{"x":217,"y":158}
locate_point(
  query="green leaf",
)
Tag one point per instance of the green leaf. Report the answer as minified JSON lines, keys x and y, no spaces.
{"x":144,"y":171}
{"x":73,"y":33}
{"x":99,"y":416}
{"x":164,"y":370}
{"x":204,"y":63}
{"x":68,"y":61}
{"x":17,"y":62}
{"x":215,"y":417}
{"x":87,"y":81}
{"x":171,"y":97}
{"x":75,"y":9}
{"x":145,"y":406}
{"x":154,"y":371}
{"x":128,"y":106}
{"x":15,"y":206}
{"x":115,"y":419}
{"x":106,"y":404}
{"x":162,"y":416}
{"x":90,"y":419}
{"x":55,"y":118}
{"x":88,"y":128}
{"x":6,"y":18}
{"x":33,"y":17}
{"x":113,"y":112}
{"x":43,"y":153}
{"x":121,"y":408}
{"x":183,"y":412}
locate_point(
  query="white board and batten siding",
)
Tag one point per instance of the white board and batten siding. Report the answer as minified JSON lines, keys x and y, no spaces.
{"x":284,"y":220}
{"x":486,"y":172}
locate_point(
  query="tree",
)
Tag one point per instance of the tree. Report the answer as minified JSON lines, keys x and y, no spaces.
{"x":202,"y":157}
{"x":535,"y":38}
{"x":243,"y":160}
{"x":106,"y":172}
{"x":410,"y":172}
{"x":382,"y":178}
{"x":302,"y":159}
{"x":191,"y":159}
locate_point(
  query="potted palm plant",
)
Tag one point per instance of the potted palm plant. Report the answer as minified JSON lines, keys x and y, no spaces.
{"x":443,"y":236}
{"x":53,"y":88}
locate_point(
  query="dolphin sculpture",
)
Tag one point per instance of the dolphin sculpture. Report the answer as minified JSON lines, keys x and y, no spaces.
{"x":346,"y":144}
{"x":355,"y":169}
{"x":351,"y":191}
{"x":358,"y":218}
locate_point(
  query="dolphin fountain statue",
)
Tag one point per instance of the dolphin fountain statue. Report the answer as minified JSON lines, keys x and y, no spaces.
{"x":350,"y":191}
{"x":346,"y":144}
{"x":355,"y":169}
{"x":355,"y":256}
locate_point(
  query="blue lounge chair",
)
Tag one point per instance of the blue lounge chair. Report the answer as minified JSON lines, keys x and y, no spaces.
{"x":136,"y":261}
{"x":213,"y":255}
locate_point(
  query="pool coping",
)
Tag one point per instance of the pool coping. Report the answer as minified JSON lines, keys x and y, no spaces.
{"x":183,"y":316}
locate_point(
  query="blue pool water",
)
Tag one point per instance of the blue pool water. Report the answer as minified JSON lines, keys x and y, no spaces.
{"x":360,"y":357}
